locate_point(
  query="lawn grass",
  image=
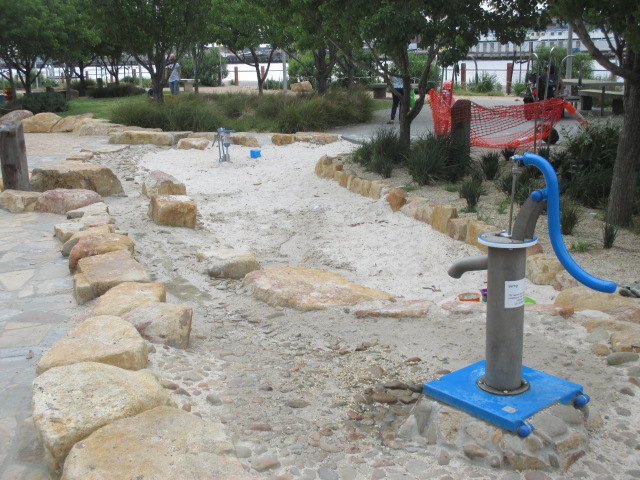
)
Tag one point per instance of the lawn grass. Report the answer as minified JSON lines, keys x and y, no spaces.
{"x":384,"y":104}
{"x":100,"y":107}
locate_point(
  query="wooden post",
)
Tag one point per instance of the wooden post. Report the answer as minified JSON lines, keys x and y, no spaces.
{"x":461,"y":124}
{"x":235,"y":75}
{"x":262,"y":72}
{"x":509,"y":76}
{"x":13,"y":156}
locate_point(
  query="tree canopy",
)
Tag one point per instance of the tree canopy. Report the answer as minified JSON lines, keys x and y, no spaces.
{"x":620,"y":21}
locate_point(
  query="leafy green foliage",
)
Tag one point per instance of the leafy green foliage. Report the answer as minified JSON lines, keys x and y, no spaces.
{"x":315,"y":112}
{"x":381,"y":153}
{"x":38,"y":103}
{"x":582,"y":63}
{"x":585,"y":167}
{"x":471,"y":190}
{"x":570,"y":216}
{"x":124,"y":89}
{"x":487,"y":82}
{"x":208,"y":68}
{"x":490,"y":164}
{"x":427,"y":159}
{"x":528,"y":180}
{"x":246,"y":112}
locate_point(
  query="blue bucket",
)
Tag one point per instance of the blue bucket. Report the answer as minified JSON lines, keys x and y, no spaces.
{"x":255,"y":153}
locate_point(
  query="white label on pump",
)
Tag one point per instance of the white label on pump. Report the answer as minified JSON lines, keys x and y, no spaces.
{"x":514,"y":294}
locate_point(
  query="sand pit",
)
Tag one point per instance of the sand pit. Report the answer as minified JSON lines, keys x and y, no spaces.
{"x":284,"y":381}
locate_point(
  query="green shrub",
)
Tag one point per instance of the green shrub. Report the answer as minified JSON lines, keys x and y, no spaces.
{"x":528,"y":180}
{"x":507,"y":153}
{"x":585,"y":169}
{"x":208,"y":68}
{"x":124,"y":89}
{"x":581,"y":246}
{"x":490,"y":163}
{"x":277,"y":112}
{"x":471,"y":190}
{"x":487,"y":82}
{"x":427,"y":159}
{"x":381,"y":153}
{"x":570,"y":216}
{"x":83,"y":86}
{"x":39,"y":102}
{"x":518,"y":88}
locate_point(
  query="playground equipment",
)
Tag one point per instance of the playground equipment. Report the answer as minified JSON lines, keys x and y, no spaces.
{"x":500,"y":389}
{"x":224,"y":142}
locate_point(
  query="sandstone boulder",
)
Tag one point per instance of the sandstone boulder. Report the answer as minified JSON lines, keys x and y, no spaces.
{"x":245,"y":140}
{"x":322,"y":162}
{"x":64,"y":231}
{"x":211,"y":136}
{"x":80,"y":157}
{"x":584,"y":298}
{"x":173,"y":210}
{"x":164,"y":323}
{"x":400,"y":309}
{"x":441,"y":215}
{"x":93,"y":126}
{"x":396,"y":198}
{"x":103,"y":339}
{"x":283,"y":138}
{"x":307,"y":289}
{"x":302,"y":87}
{"x":95,"y":275}
{"x":475,"y":228}
{"x":98,"y":244}
{"x":98,"y":208}
{"x":160,"y":444}
{"x":161,"y":183}
{"x":228,"y":263}
{"x":139,"y":137}
{"x":61,"y":200}
{"x":193,"y":143}
{"x":542,"y":269}
{"x":67,"y":124}
{"x":457,"y":228}
{"x":98,"y":178}
{"x":72,"y":401}
{"x":129,"y":295}
{"x":316,"y":137}
{"x":76,"y":236}
{"x":40,"y":123}
{"x":378,"y":189}
{"x":18,"y":201}
{"x":16,"y":115}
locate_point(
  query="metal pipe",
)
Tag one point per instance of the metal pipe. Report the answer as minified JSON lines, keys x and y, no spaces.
{"x":468,"y":264}
{"x":505,"y":318}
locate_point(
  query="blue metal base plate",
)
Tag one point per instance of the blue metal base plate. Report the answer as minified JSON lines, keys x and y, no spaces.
{"x":459,"y":389}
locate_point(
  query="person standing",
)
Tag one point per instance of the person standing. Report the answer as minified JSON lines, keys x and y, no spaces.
{"x":398,"y":86}
{"x":174,"y":78}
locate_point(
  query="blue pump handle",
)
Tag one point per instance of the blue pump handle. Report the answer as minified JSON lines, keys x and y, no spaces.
{"x":553,"y":217}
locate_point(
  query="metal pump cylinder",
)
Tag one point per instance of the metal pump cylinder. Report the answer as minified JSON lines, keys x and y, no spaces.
{"x":504,"y":334}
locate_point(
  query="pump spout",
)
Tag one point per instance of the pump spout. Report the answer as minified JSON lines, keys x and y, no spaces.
{"x":468,"y":264}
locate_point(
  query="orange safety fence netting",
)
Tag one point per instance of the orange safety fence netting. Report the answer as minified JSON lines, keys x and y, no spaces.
{"x":494,"y":126}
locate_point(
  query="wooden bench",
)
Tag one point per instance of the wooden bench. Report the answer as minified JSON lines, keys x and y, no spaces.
{"x":587,"y":96}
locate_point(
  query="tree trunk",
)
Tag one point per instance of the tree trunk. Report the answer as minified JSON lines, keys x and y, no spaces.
{"x":625,"y":170}
{"x":157,"y":82}
{"x":67,"y":81}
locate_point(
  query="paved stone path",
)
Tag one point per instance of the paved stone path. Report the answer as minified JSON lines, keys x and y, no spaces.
{"x":36,"y":309}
